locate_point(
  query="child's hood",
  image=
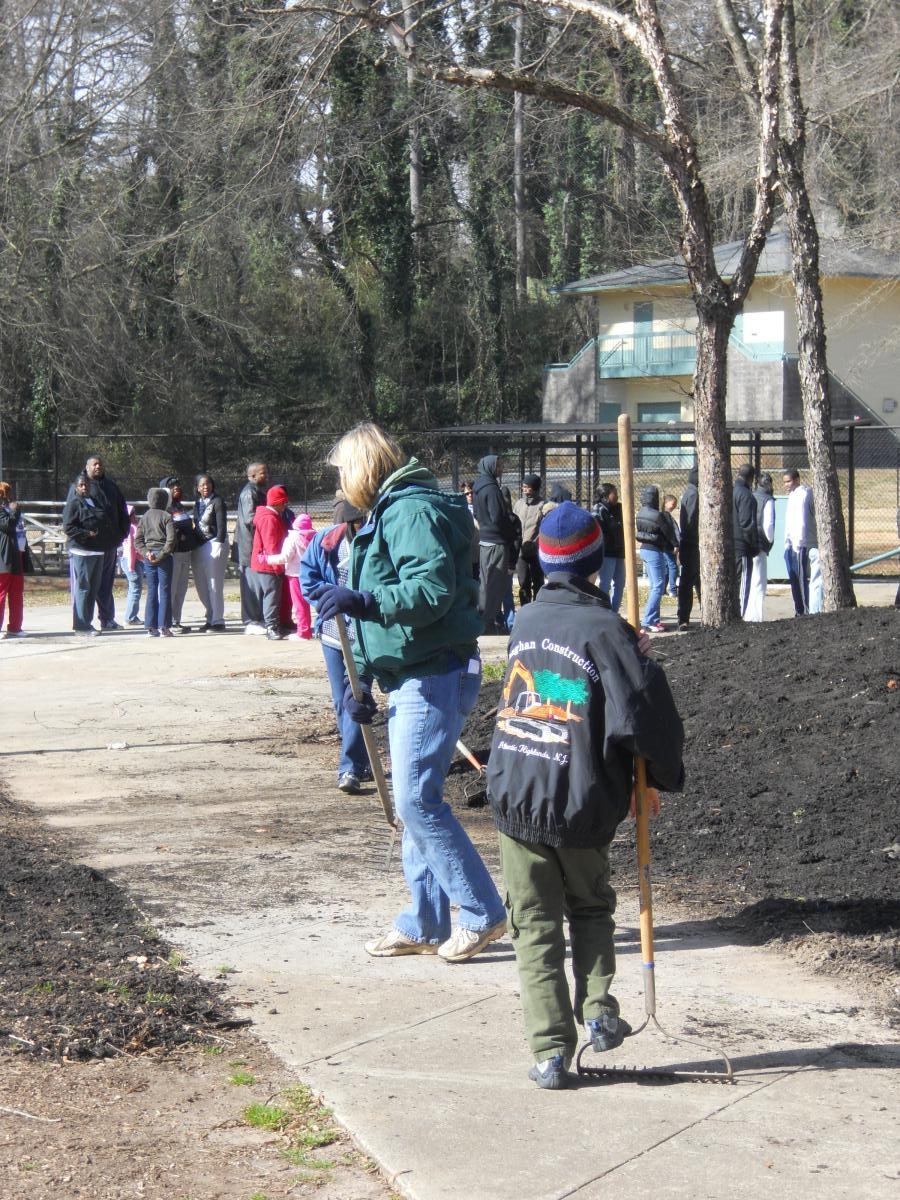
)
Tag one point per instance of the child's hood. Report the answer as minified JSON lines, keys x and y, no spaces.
{"x":303,"y":521}
{"x":157,"y":497}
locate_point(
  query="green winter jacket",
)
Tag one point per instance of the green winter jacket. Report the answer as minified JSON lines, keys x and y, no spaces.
{"x":414,"y":556}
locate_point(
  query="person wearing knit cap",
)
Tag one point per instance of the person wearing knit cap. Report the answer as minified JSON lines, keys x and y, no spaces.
{"x":570,"y":540}
{"x":268,"y":538}
{"x":579,"y":700}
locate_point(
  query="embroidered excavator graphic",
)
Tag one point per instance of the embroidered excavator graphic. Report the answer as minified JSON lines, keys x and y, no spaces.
{"x":536,"y":714}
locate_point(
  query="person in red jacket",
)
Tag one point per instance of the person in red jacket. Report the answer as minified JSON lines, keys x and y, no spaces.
{"x":268,"y":537}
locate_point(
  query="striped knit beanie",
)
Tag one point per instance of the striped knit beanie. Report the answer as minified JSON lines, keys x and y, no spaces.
{"x":569,"y":539}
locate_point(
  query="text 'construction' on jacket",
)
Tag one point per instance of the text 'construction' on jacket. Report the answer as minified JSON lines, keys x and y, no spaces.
{"x":579,"y":701}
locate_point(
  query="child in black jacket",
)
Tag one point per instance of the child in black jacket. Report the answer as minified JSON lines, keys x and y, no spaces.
{"x":579,"y":701}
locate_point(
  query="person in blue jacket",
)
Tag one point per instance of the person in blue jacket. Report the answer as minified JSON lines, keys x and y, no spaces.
{"x":326,"y":560}
{"x":414,"y":606}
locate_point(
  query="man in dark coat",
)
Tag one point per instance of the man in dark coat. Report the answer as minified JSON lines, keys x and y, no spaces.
{"x":496,"y":539}
{"x":250,"y":497}
{"x":112,"y":532}
{"x":689,"y":550}
{"x":746,"y":533}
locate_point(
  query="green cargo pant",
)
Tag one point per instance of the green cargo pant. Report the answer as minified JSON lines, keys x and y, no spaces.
{"x":544,"y":887}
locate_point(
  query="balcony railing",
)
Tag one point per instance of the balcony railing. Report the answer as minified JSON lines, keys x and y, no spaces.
{"x":635,"y":354}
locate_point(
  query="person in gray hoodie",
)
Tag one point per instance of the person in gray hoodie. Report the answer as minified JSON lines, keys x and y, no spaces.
{"x":154,"y":540}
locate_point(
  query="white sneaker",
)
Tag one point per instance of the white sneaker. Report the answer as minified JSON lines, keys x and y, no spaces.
{"x":394,"y":943}
{"x":255,"y":630}
{"x":14,"y":633}
{"x":464,"y":943}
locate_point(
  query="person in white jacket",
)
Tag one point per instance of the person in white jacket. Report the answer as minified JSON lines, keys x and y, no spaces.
{"x":801,"y":545}
{"x":765,"y":529}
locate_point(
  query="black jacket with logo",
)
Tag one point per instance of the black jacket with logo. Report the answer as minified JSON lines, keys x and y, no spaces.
{"x":579,"y":701}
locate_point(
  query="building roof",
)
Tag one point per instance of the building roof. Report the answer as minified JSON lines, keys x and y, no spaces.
{"x":836,"y":258}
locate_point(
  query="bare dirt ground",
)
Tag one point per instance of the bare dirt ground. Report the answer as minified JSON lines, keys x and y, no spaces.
{"x":124,"y":1074}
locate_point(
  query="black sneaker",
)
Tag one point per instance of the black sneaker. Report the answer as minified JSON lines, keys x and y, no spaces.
{"x":274,"y":635}
{"x":349,"y":783}
{"x":606,"y":1032}
{"x":551,"y":1074}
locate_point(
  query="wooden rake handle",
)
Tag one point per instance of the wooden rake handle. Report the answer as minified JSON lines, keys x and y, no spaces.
{"x":642,"y":814}
{"x":381,"y":783}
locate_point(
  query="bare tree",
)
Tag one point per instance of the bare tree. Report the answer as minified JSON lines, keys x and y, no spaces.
{"x":717,"y":301}
{"x":838,"y":586}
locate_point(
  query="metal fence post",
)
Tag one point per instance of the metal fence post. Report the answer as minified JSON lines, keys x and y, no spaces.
{"x":851,"y":490}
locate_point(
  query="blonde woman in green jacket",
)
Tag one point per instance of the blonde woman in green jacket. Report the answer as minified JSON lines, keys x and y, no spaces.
{"x":414,"y":604}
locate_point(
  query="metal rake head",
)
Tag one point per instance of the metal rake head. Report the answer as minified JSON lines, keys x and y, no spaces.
{"x":628,"y":1074}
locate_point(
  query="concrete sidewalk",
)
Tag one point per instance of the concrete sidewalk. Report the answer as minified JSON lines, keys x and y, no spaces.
{"x":180,"y":769}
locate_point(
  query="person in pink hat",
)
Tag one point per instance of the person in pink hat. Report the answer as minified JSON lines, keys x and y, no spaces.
{"x":299,"y":536}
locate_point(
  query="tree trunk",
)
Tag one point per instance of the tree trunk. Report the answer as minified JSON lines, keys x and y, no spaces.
{"x":717,"y":576}
{"x":410,"y":14}
{"x":519,"y":169}
{"x":833,"y":552}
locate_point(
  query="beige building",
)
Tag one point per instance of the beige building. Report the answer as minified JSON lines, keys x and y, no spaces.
{"x":642,"y":358}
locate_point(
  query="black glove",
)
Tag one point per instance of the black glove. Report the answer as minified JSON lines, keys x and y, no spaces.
{"x":363,"y":710}
{"x":330,"y":600}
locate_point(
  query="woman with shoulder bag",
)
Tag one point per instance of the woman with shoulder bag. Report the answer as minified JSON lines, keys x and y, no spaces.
{"x":209,"y":558}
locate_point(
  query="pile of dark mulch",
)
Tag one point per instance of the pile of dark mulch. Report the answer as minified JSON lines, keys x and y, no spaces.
{"x":790,"y":817}
{"x":82,"y":974}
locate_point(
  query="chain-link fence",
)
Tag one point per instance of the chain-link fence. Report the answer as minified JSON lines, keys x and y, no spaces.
{"x":577,"y":458}
{"x":580,"y":459}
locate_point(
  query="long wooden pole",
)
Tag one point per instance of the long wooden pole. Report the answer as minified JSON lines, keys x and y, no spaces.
{"x":384,"y":792}
{"x":641,"y":811}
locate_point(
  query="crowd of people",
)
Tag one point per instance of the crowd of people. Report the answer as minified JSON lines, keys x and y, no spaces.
{"x":158,"y":552}
{"x":413,"y":575}
{"x":668,"y":541}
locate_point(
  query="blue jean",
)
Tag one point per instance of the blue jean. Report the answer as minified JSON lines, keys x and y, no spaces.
{"x":354,"y":756}
{"x":440,"y":864}
{"x":135,"y":586}
{"x":671,"y":571}
{"x":158,"y":605}
{"x":655,"y":563}
{"x":85,"y":574}
{"x":612,"y":580}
